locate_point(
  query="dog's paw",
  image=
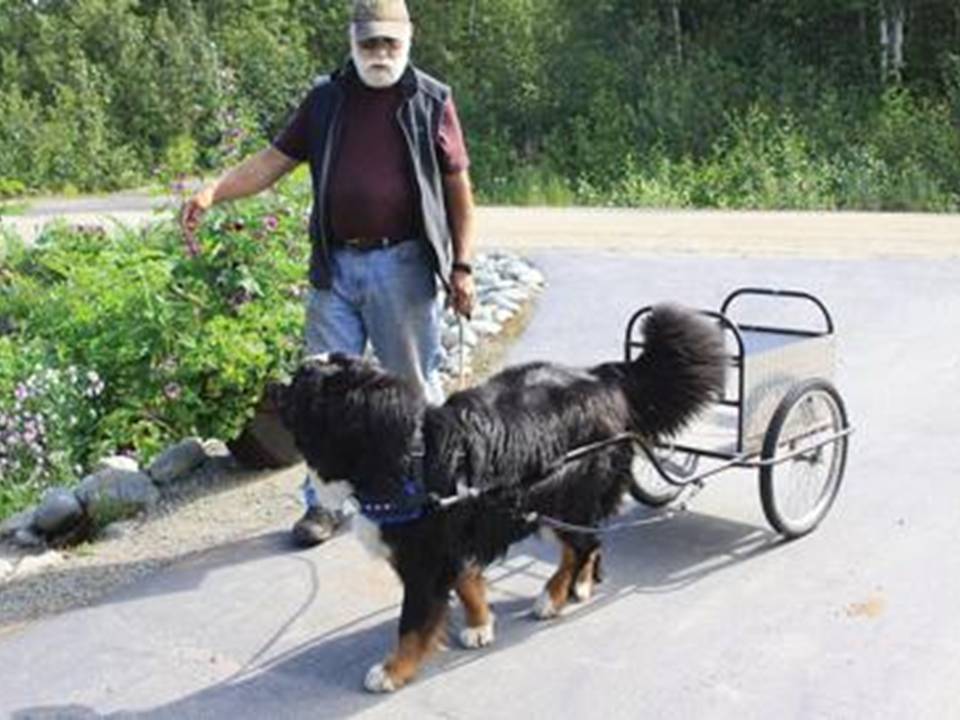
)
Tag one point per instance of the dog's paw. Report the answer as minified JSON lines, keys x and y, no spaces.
{"x":544,"y":608}
{"x":378,"y":680}
{"x":477,"y":637}
{"x":582,"y":591}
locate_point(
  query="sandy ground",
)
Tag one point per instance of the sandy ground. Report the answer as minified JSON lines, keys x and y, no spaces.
{"x":716,"y":232}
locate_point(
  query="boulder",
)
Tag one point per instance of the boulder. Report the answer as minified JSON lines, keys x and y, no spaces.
{"x":25,"y":537}
{"x":117,"y":462}
{"x":13,"y":524}
{"x":177,"y":460}
{"x":59,"y":510}
{"x":111,"y":494}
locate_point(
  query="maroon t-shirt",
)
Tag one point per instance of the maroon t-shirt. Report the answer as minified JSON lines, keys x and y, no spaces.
{"x":372,"y":189}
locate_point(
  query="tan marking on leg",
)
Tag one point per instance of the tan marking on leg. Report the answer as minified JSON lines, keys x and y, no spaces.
{"x":557,"y":590}
{"x":412,"y":650}
{"x":472,"y":591}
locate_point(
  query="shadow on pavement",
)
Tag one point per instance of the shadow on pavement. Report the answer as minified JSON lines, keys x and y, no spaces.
{"x":323,"y":677}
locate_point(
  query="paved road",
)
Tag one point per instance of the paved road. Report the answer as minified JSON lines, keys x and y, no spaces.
{"x":707,"y":615}
{"x":719,"y":233}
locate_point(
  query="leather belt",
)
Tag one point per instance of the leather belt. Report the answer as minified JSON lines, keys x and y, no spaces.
{"x":370,"y":243}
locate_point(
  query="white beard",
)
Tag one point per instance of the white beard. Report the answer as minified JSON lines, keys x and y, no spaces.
{"x":382,"y":71}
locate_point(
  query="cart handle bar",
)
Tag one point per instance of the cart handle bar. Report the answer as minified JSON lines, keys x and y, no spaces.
{"x":741,"y":461}
{"x":774,"y":292}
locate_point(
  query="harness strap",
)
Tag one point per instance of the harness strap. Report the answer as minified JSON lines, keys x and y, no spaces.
{"x":417,"y":502}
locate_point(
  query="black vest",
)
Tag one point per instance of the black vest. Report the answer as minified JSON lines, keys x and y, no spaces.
{"x":419,"y":117}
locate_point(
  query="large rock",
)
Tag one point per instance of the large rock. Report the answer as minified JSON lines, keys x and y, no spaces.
{"x":27,"y":537}
{"x":111,"y":495}
{"x":177,"y":461}
{"x":117,"y":462}
{"x":13,"y":524}
{"x":59,"y":511}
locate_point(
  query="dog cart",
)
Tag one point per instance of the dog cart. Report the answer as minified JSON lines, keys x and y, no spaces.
{"x":779,"y":414}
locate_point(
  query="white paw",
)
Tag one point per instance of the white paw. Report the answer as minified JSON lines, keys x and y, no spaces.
{"x":477,"y":637}
{"x":543,"y":608}
{"x":378,"y":680}
{"x":583,"y":591}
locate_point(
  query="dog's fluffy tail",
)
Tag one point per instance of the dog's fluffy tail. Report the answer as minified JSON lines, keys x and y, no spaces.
{"x":681,"y":369}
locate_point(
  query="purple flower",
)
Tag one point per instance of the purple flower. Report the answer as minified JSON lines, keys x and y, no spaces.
{"x":21,"y":393}
{"x":172,"y":391}
{"x":270,"y":223}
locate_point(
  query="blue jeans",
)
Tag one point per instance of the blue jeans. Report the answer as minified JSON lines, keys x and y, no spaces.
{"x":388,"y":297}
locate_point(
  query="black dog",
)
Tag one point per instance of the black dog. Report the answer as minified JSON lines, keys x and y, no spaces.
{"x":499,"y":446}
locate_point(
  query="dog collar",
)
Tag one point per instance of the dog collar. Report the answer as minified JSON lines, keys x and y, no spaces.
{"x":410,"y":506}
{"x":413,"y":501}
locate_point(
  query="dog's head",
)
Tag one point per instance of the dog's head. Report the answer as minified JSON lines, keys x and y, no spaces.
{"x":350,"y":419}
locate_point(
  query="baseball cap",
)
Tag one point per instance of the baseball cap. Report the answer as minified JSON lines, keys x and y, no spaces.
{"x":381,"y":18}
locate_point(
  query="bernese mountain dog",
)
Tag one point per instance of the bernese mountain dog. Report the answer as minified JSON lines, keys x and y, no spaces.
{"x":443,"y":491}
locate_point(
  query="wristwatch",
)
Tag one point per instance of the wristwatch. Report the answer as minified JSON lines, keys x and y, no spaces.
{"x":463,"y":267}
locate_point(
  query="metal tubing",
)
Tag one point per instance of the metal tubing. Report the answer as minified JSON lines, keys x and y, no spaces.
{"x":776,"y":460}
{"x":780,"y":293}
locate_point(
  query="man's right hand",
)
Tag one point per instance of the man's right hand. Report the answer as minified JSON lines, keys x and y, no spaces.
{"x":191,"y":214}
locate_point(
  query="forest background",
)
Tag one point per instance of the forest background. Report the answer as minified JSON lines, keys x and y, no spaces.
{"x":681,"y":103}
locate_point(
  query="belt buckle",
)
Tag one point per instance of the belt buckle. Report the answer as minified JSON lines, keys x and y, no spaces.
{"x":365,"y":243}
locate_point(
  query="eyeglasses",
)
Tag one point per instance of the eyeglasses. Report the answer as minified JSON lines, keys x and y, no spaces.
{"x":374,"y":44}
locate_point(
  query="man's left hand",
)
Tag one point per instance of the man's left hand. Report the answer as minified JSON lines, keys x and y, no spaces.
{"x":463,"y":292}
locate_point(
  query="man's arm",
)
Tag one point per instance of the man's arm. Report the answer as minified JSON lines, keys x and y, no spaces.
{"x":255,"y":174}
{"x":460,"y":216}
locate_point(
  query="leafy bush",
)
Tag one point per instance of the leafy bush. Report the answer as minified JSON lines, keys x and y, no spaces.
{"x":183,"y":345}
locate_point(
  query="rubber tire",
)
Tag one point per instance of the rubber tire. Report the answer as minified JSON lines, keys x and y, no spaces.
{"x":782,"y":524}
{"x":654,"y":497}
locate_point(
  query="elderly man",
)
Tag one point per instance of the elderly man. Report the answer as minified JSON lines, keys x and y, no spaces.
{"x":392,"y":208}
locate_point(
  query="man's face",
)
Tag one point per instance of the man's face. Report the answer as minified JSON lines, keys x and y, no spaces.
{"x":380,"y":61}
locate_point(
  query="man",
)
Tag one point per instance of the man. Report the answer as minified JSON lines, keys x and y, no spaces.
{"x":392,"y":209}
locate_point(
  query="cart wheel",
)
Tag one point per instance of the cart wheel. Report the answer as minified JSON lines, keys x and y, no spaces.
{"x":805,"y":486}
{"x":648,"y":487}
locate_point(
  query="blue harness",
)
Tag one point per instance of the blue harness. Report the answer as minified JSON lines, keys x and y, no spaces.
{"x":413,"y":501}
{"x":410,"y":506}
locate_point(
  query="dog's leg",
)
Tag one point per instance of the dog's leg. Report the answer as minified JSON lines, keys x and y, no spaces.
{"x":557,"y":590}
{"x":588,"y":574}
{"x":421,"y":625}
{"x":472,"y":591}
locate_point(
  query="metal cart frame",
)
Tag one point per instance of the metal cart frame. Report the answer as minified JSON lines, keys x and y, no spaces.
{"x":788,"y":420}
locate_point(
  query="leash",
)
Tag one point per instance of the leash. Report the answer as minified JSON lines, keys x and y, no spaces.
{"x":462,"y":354}
{"x":535,"y":518}
{"x":417,"y":502}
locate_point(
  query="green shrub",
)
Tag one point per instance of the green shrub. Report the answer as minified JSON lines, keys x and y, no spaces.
{"x":11,"y":188}
{"x":183,"y":345}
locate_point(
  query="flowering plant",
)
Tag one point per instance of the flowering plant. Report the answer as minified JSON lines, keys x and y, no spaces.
{"x":181,"y":345}
{"x":46,"y":424}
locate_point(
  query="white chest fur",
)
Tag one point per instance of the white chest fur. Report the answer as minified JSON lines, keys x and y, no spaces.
{"x":334,"y":496}
{"x":368,"y":533}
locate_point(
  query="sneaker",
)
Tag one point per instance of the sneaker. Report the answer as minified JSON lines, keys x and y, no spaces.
{"x":316,"y":526}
